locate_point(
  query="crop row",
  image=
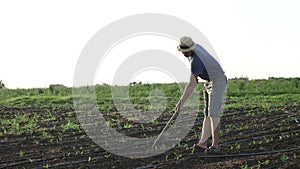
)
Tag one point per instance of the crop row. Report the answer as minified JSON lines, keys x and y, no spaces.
{"x":254,"y":130}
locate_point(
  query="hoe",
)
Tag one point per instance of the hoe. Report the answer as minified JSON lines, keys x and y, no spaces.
{"x":162,"y":132}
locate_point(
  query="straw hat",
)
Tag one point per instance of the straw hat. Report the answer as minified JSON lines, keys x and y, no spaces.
{"x":186,"y":44}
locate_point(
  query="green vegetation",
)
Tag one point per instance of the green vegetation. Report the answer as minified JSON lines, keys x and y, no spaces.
{"x":260,"y":115}
{"x":273,"y":90}
{"x":240,"y":93}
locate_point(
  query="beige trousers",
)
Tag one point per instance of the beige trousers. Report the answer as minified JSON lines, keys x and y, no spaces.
{"x":213,"y":92}
{"x":213,"y":98}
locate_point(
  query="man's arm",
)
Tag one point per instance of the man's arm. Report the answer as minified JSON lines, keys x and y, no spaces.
{"x":187,"y":91}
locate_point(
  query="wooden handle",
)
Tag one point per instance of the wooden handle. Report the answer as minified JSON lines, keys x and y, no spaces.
{"x":174,"y":114}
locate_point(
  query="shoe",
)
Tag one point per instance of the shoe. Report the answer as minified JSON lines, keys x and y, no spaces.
{"x":197,"y":148}
{"x":213,"y":150}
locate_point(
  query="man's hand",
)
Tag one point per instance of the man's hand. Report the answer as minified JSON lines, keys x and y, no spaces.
{"x":179,"y":106}
{"x":187,"y":92}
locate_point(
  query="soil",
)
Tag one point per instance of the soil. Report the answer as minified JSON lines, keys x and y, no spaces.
{"x":250,"y":137}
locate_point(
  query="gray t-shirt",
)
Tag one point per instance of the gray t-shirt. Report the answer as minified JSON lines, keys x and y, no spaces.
{"x":204,"y":65}
{"x":198,"y":68}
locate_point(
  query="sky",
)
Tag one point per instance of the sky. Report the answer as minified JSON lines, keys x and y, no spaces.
{"x":41,"y":41}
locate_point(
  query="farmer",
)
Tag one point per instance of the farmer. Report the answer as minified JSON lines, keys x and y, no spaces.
{"x":206,"y":67}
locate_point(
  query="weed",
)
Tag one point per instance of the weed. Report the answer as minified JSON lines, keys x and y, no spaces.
{"x":259,"y":164}
{"x":123,"y":140}
{"x":192,"y":151}
{"x":108,"y":123}
{"x":15,"y":127}
{"x":143,"y":127}
{"x":45,"y":135}
{"x":178,"y":156}
{"x":128,"y":125}
{"x":70,"y":126}
{"x":244,"y":166}
{"x":107,"y":155}
{"x":46,"y":166}
{"x":162,"y":147}
{"x":167,"y":156}
{"x":267,"y":162}
{"x":237,"y":146}
{"x":283,"y":158}
{"x":21,"y":153}
{"x":154,"y":120}
{"x":268,"y":140}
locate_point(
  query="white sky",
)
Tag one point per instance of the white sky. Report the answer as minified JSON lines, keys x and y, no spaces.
{"x":40,"y":41}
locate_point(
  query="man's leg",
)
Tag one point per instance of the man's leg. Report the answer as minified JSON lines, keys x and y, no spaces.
{"x":206,"y":126}
{"x":206,"y":132}
{"x":215,"y":130}
{"x":215,"y":106}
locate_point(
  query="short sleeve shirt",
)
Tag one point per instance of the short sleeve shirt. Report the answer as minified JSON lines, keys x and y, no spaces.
{"x":205,"y":65}
{"x":198,"y":68}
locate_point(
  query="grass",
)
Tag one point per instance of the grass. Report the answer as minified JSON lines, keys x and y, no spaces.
{"x":37,"y":100}
{"x":273,"y":90}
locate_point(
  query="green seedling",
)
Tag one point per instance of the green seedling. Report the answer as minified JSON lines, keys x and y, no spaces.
{"x":244,"y":166}
{"x":46,"y":166}
{"x":283,"y":158}
{"x":143,"y":127}
{"x":167,"y":157}
{"x":21,"y":153}
{"x":128,"y":125}
{"x":178,"y":156}
{"x":107,"y":155}
{"x":45,"y":135}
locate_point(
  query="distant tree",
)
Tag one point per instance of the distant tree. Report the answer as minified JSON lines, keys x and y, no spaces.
{"x":133,"y":84}
{"x":2,"y":85}
{"x":55,"y":88}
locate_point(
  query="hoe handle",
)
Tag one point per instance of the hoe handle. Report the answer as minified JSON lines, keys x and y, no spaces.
{"x":158,"y":137}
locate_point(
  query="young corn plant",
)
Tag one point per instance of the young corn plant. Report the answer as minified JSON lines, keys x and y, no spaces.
{"x":167,"y":157}
{"x":107,"y":156}
{"x":283,"y":158}
{"x":143,"y":127}
{"x":177,"y":156}
{"x":128,"y":125}
{"x":192,"y":151}
{"x":69,"y":126}
{"x":162,"y":147}
{"x":45,"y":135}
{"x":259,"y":164}
{"x":154,"y":121}
{"x":46,"y":166}
{"x":21,"y":153}
{"x":244,"y":166}
{"x":267,"y":162}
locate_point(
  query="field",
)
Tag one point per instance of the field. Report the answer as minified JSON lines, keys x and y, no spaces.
{"x":260,"y":128}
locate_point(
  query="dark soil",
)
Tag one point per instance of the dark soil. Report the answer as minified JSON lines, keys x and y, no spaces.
{"x":251,"y":137}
